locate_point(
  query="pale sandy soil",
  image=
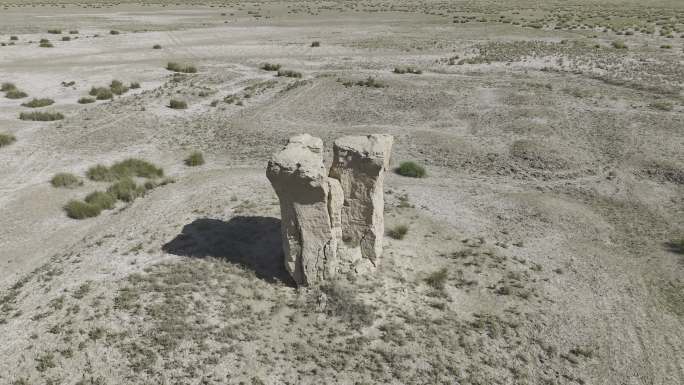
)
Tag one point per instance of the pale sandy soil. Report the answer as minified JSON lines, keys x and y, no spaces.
{"x":553,"y":197}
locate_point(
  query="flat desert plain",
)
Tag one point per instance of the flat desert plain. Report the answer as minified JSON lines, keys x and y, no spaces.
{"x":140,"y":239}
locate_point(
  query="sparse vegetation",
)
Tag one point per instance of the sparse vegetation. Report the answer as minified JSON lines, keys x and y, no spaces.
{"x":76,"y":209}
{"x":125,"y":169}
{"x":405,"y":70}
{"x":41,"y":116}
{"x":270,"y":67}
{"x":125,"y":189}
{"x":102,"y":200}
{"x":6,"y":139}
{"x":65,"y":179}
{"x":117,"y":87}
{"x":438,"y":279}
{"x":37,"y":103}
{"x":182,"y":68}
{"x":619,"y":44}
{"x":101,"y":93}
{"x":411,"y":169}
{"x":289,"y":74}
{"x":114,"y":32}
{"x":194,"y":159}
{"x":315,"y":44}
{"x":398,"y":232}
{"x":86,"y":100}
{"x":157,"y":46}
{"x":178,"y":104}
{"x":662,"y":105}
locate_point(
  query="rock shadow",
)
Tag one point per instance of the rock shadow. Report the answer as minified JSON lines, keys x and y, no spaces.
{"x":253,"y":242}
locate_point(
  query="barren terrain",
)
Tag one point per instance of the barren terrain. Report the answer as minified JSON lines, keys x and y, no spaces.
{"x":545,"y":244}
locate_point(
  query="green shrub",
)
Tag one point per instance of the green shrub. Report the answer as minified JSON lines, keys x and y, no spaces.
{"x":73,"y":32}
{"x":100,"y":173}
{"x":662,"y":105}
{"x":315,"y":44}
{"x":410,"y":169}
{"x":103,"y":200}
{"x":178,"y":104}
{"x":404,"y":70}
{"x":176,"y":67}
{"x":136,"y":167}
{"x":289,"y":73}
{"x":398,"y":232}
{"x":113,"y":32}
{"x":65,"y":179}
{"x":157,"y":46}
{"x":7,"y":87}
{"x":134,"y":85}
{"x":101,"y":93}
{"x":437,"y":280}
{"x":37,"y":103}
{"x":14,"y":38}
{"x":117,"y":87}
{"x":15,"y":94}
{"x":55,"y":31}
{"x":41,"y":116}
{"x":619,"y":44}
{"x":6,"y":139}
{"x":66,"y":38}
{"x":126,"y":190}
{"x":86,"y":100}
{"x":270,"y":67}
{"x":45,"y":44}
{"x":195,"y":159}
{"x":81,"y":210}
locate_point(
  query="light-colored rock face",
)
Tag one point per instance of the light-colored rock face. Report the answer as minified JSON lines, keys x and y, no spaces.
{"x":310,"y":234}
{"x":331,"y":222}
{"x":359,"y":163}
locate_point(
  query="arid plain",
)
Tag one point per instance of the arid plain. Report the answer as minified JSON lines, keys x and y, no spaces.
{"x":544,"y":245}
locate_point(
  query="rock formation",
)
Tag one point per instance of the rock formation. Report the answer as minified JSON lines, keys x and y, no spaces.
{"x":330,"y":222}
{"x":359,"y":163}
{"x":307,"y":199}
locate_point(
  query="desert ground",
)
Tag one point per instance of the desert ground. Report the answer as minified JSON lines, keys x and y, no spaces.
{"x":544,"y":245}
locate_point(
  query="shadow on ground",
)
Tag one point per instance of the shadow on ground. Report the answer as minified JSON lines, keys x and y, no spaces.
{"x":253,"y":242}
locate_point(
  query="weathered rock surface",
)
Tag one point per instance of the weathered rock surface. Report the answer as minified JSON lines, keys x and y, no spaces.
{"x":307,"y":197}
{"x":359,"y":163}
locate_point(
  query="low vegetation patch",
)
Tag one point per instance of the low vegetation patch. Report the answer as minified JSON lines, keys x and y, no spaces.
{"x":437,"y":280}
{"x":37,"y":103}
{"x":81,"y":210}
{"x":55,"y":31}
{"x":45,"y":43}
{"x":370,"y":82}
{"x":195,"y":159}
{"x":270,"y":67}
{"x":103,"y":200}
{"x":157,"y":46}
{"x":6,"y":139}
{"x":662,"y":105}
{"x":65,"y":179}
{"x":289,"y":74}
{"x":407,"y":70}
{"x":125,"y":169}
{"x":114,"y":32}
{"x":41,"y":116}
{"x":410,"y":169}
{"x":101,"y":93}
{"x":15,"y":94}
{"x":183,"y":68}
{"x":126,"y":190}
{"x":86,"y":100}
{"x":619,"y":44}
{"x":117,"y":87}
{"x":178,"y":104}
{"x":315,"y":44}
{"x":7,"y":87}
{"x":398,"y":232}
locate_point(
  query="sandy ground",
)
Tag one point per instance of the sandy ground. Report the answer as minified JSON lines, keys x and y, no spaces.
{"x":554,"y":201}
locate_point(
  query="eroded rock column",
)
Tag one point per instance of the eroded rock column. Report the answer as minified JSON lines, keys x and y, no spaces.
{"x":359,"y":163}
{"x":310,"y":206}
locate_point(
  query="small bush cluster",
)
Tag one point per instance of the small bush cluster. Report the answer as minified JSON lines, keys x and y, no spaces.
{"x":37,"y":103}
{"x":55,"y":31}
{"x":114,"y":32}
{"x":370,"y":82}
{"x":195,"y":159}
{"x":411,"y":169}
{"x":270,"y":67}
{"x":157,"y":46}
{"x":437,"y":280}
{"x":178,"y":104}
{"x":86,"y":100}
{"x":398,"y":232}
{"x":6,"y":139}
{"x":619,"y":44}
{"x":41,"y":116}
{"x":315,"y":44}
{"x":66,"y":38}
{"x":11,"y":91}
{"x":125,"y":169}
{"x":289,"y":73}
{"x":45,"y":43}
{"x":183,"y":68}
{"x":407,"y":70}
{"x":123,"y":188}
{"x":117,"y":87}
{"x":65,"y":179}
{"x":101,"y":93}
